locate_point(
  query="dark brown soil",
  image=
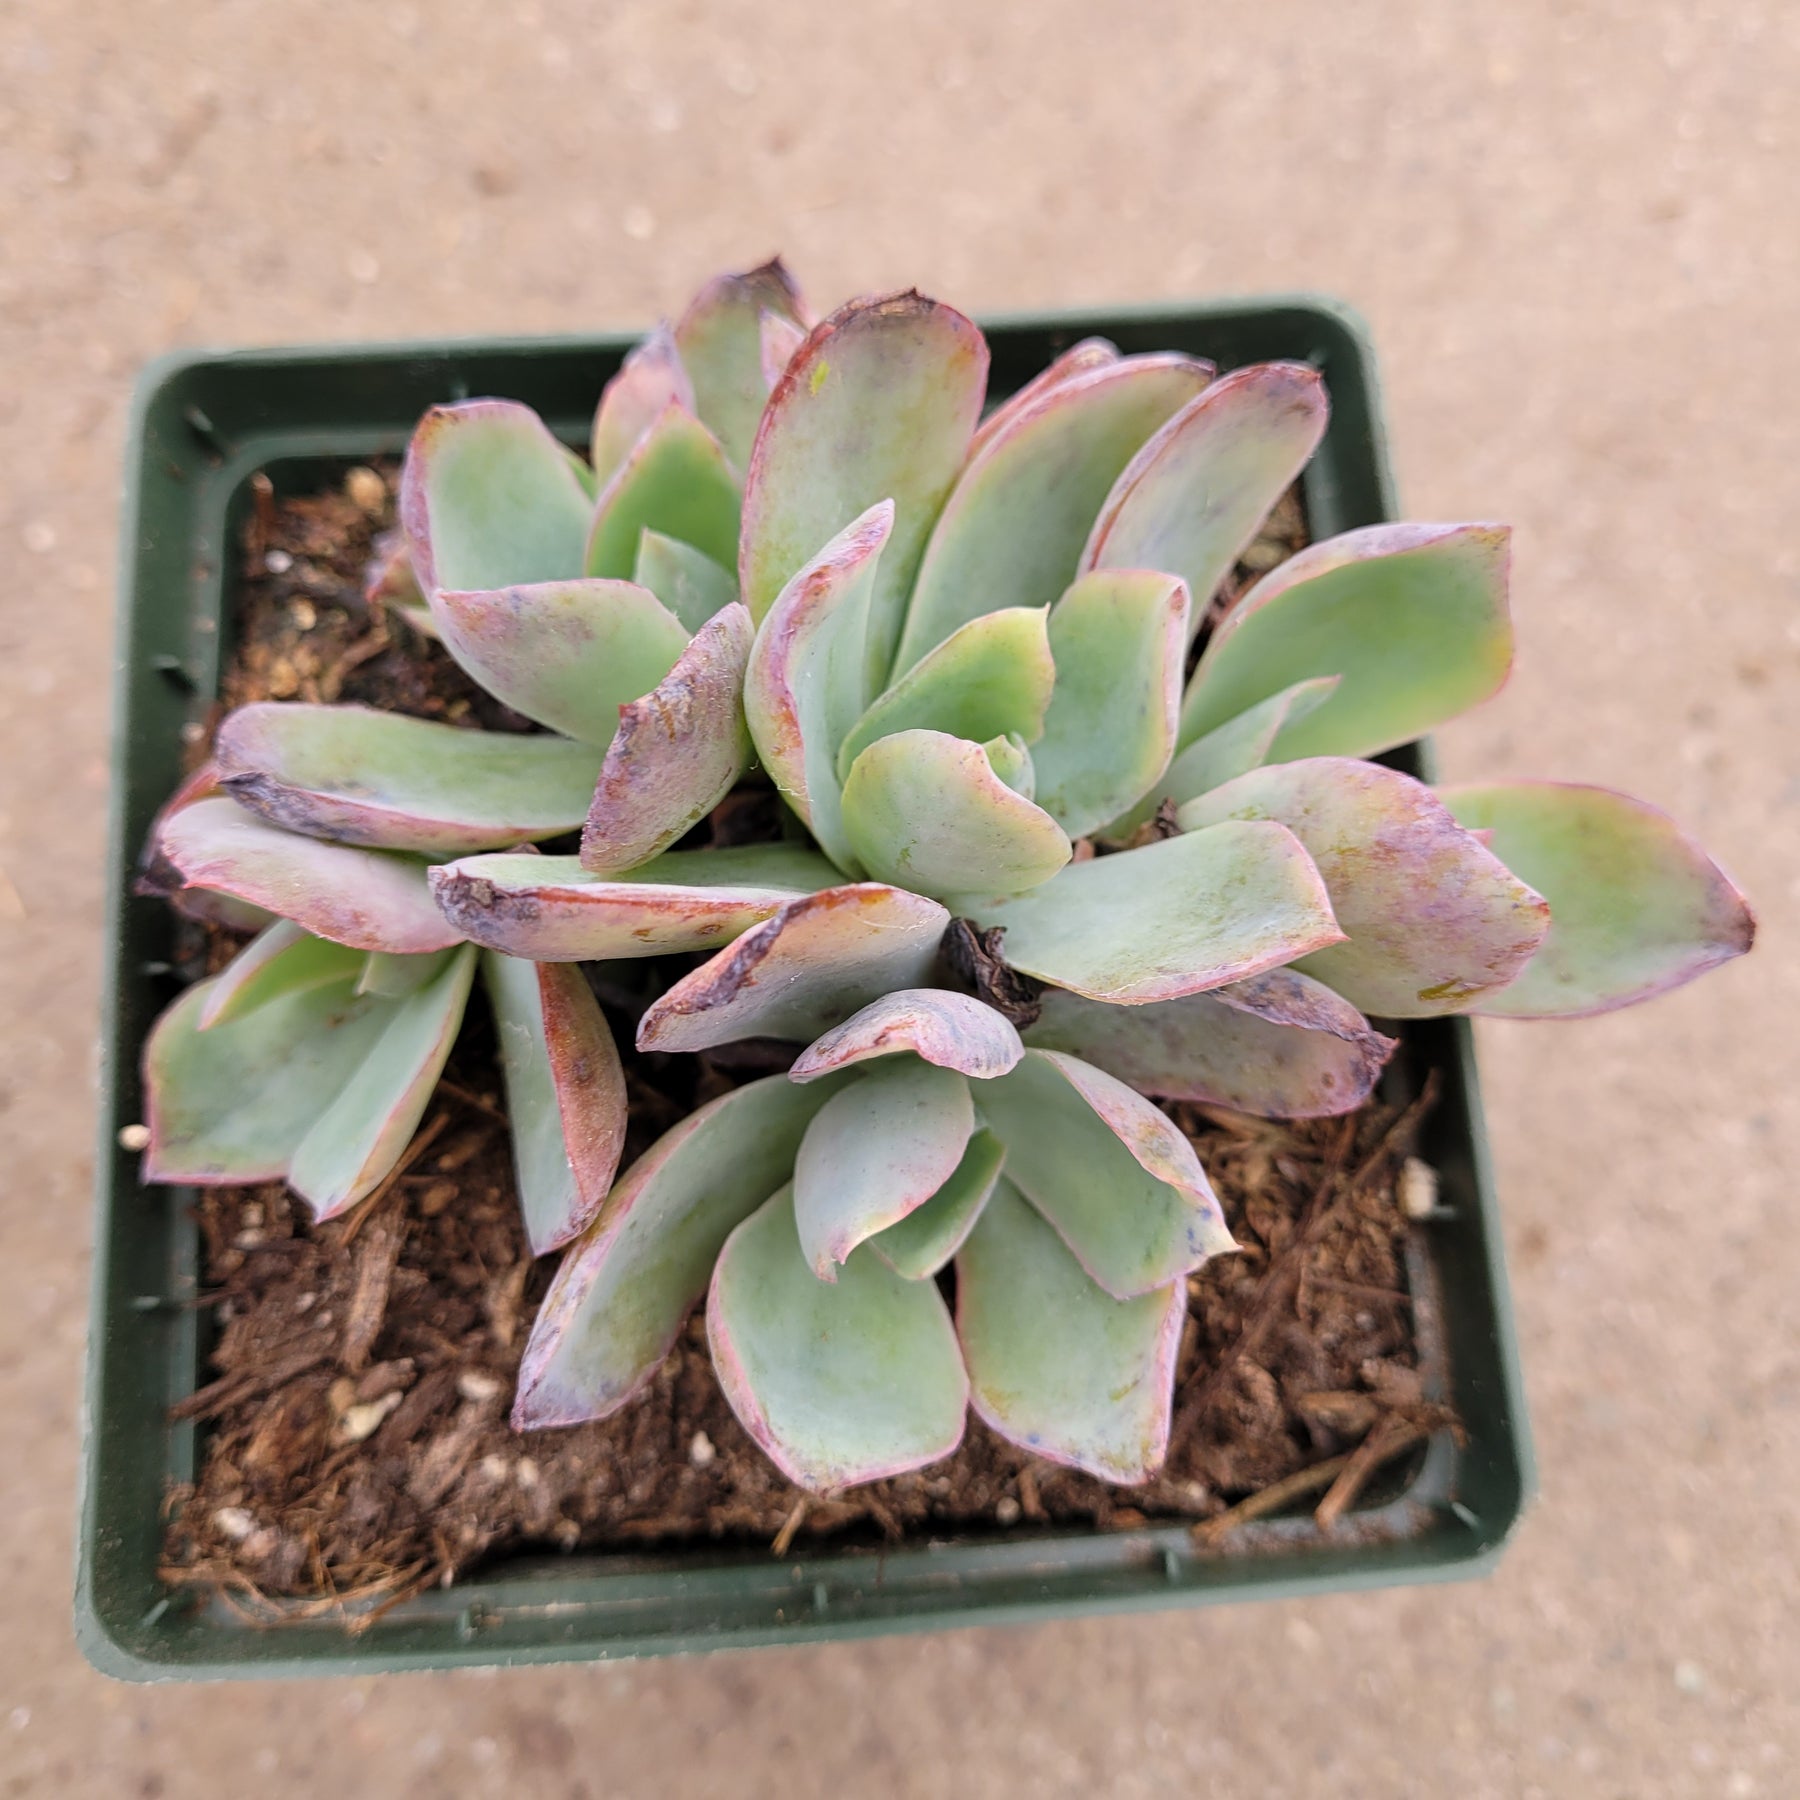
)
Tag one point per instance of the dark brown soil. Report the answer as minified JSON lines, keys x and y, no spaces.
{"x":356,"y":1444}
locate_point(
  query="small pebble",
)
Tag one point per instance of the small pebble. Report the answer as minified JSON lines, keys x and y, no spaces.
{"x":305,"y":614}
{"x":278,"y":562}
{"x":1418,"y":1189}
{"x":474,"y":1384}
{"x":493,"y":1468}
{"x":192,"y":732}
{"x":367,"y":490}
{"x":1263,"y":555}
{"x":701,"y":1452}
{"x":134,"y":1137}
{"x":1690,"y":1678}
{"x":250,"y":1240}
{"x":233,"y":1522}
{"x":361,"y":1421}
{"x":1006,"y":1510}
{"x":436,"y":1198}
{"x":525,"y":1473}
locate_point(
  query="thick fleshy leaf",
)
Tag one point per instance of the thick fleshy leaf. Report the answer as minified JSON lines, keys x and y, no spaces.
{"x":565,"y":1094}
{"x":157,"y":875}
{"x":1280,"y":1045}
{"x":1244,"y":743}
{"x":359,"y":1137}
{"x":1433,"y":918}
{"x":1636,"y":906}
{"x":954,"y":1031}
{"x":389,"y":581}
{"x":780,"y":339}
{"x":926,"y":811}
{"x":1011,"y":761}
{"x":621,"y":1294}
{"x":359,"y":776}
{"x":1119,"y":637}
{"x":551,"y":909}
{"x":1012,"y":531}
{"x":676,"y":481}
{"x":687,"y":581}
{"x":395,"y":977}
{"x":678,"y":751}
{"x":568,"y":654}
{"x":722,"y":335}
{"x":925,"y":1240}
{"x":1079,"y":359}
{"x":650,"y":382}
{"x":322,"y":1085}
{"x":368,"y":899}
{"x":488,"y":499}
{"x":1109,"y":1170}
{"x":1172,"y":918}
{"x":807,"y":683}
{"x":1056,"y":1364}
{"x":1233,"y":749}
{"x":877,"y":1150}
{"x":812,"y":965}
{"x":1191,"y":500}
{"x":991,"y":677}
{"x":233,"y":1103}
{"x":878,"y":404}
{"x":280,"y":959}
{"x":838,"y":1382}
{"x":1413,"y":617}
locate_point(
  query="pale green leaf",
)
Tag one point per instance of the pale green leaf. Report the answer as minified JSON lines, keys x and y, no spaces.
{"x":1056,"y":1364}
{"x":1012,"y":531}
{"x":1110,"y":1171}
{"x":488,"y":499}
{"x":877,"y":405}
{"x":1168,"y":919}
{"x":678,"y":751}
{"x":927,"y":811}
{"x":878,"y":1148}
{"x":839,"y":1382}
{"x":812,"y":965}
{"x":1119,"y":637}
{"x":566,"y":653}
{"x":1191,"y":500}
{"x":1636,"y":906}
{"x":990,"y":678}
{"x":1433,"y":919}
{"x":1412,"y":617}
{"x":919,"y":1245}
{"x":359,"y":776}
{"x":620,"y":1296}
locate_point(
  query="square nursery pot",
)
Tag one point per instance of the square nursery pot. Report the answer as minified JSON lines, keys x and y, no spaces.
{"x":204,"y":424}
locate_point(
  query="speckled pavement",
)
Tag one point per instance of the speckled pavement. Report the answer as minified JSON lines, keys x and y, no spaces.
{"x":1573,"y":230}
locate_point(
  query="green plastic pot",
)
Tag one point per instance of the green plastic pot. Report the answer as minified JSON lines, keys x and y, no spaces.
{"x":203,"y":425}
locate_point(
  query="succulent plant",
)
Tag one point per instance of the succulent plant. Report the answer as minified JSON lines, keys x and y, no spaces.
{"x":970,"y":655}
{"x":1070,"y":826}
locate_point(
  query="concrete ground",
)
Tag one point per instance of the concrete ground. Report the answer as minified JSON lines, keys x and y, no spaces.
{"x":1572,"y":227}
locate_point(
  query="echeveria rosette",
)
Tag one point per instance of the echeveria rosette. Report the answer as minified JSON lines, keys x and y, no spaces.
{"x":963,"y":680}
{"x":814,"y":1212}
